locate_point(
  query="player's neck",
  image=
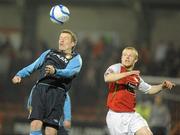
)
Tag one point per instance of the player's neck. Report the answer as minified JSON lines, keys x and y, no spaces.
{"x":129,"y":68}
{"x":68,"y":54}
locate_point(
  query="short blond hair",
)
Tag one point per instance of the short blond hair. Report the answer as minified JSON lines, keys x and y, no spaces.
{"x":133,"y":49}
{"x":73,"y":35}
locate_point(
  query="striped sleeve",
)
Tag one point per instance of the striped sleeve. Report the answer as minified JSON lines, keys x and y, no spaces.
{"x":113,"y":69}
{"x":144,"y":87}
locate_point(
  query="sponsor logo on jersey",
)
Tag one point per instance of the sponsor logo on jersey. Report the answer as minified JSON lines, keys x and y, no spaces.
{"x":61,"y":57}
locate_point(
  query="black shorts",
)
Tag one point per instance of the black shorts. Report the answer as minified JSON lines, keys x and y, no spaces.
{"x":46,"y":104}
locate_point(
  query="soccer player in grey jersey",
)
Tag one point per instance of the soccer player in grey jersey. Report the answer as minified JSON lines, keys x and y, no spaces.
{"x":57,"y":70}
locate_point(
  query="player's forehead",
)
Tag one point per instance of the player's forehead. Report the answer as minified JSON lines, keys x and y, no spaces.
{"x":65,"y":35}
{"x":130,"y":51}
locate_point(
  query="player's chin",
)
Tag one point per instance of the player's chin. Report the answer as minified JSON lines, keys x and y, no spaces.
{"x":61,"y":48}
{"x":128,"y":66}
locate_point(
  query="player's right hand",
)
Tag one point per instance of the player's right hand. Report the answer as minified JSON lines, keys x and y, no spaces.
{"x":16,"y":79}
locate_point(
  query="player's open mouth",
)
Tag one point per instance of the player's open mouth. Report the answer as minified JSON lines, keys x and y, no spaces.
{"x":61,"y":44}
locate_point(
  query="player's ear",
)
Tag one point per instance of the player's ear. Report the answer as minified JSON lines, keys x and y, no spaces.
{"x":73,"y":44}
{"x":136,"y":60}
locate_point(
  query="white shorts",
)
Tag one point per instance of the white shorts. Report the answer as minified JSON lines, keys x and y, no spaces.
{"x":124,"y":123}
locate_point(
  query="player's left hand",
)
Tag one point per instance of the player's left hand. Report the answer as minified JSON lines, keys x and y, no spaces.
{"x":67,"y":124}
{"x":49,"y":70}
{"x":167,"y":85}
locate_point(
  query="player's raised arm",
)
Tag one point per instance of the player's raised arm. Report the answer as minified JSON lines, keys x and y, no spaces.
{"x":111,"y":77}
{"x":164,"y":85}
{"x":26,"y":71}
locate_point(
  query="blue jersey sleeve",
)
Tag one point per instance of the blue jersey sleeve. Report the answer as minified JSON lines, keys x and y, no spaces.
{"x":67,"y":108}
{"x":32,"y":67}
{"x":73,"y":67}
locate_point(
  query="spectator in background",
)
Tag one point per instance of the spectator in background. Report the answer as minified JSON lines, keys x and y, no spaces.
{"x":160,"y":117}
{"x":160,"y":52}
{"x":7,"y":53}
{"x":144,"y":108}
{"x":175,"y":129}
{"x":159,"y":57}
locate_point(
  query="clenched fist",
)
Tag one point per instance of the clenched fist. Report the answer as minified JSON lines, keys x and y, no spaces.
{"x":49,"y":70}
{"x":16,"y":79}
{"x":167,"y":85}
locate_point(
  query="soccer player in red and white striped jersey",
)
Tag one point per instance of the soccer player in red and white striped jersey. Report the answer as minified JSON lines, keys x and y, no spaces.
{"x":122,"y":82}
